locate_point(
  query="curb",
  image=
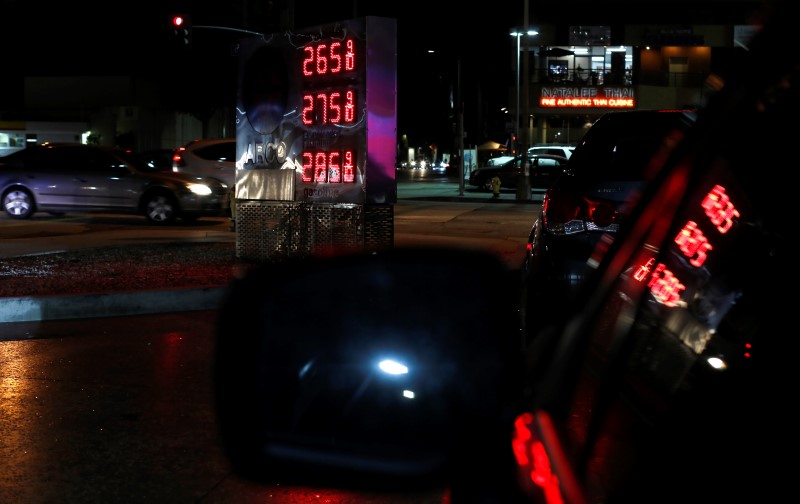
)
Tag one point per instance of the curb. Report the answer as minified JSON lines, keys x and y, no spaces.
{"x":47,"y":308}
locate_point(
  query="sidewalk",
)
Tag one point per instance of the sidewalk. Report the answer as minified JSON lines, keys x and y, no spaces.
{"x":450,"y":191}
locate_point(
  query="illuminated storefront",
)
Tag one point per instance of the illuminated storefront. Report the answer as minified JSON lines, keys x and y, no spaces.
{"x":574,"y":80}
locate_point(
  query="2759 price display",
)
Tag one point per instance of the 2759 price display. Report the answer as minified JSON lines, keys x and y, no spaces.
{"x":328,"y":69}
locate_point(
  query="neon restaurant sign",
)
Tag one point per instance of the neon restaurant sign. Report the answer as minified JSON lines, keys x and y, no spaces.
{"x":612,"y":97}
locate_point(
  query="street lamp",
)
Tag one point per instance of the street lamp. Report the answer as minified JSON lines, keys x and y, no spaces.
{"x":518,"y":34}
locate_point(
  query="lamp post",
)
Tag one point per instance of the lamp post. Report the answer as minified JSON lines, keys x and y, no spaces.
{"x":518,"y":34}
{"x":523,"y":182}
{"x":463,"y":171}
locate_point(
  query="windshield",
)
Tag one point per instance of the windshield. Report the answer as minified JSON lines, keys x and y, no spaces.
{"x":619,"y":146}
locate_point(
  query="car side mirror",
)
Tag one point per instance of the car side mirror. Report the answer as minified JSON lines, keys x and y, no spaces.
{"x":397,"y":367}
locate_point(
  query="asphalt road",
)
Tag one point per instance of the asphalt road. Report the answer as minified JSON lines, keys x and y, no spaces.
{"x":120,"y":409}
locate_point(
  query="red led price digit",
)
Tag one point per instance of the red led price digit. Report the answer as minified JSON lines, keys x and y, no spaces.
{"x":334,"y":169}
{"x":322,"y":60}
{"x":307,"y":174}
{"x":693,"y":243}
{"x":349,"y":166}
{"x":335,"y":108}
{"x":320,"y":167}
{"x":665,"y":286}
{"x":349,"y":107}
{"x":720,"y":209}
{"x":336,"y":58}
{"x":350,"y":56}
{"x":308,"y":61}
{"x":322,"y":102}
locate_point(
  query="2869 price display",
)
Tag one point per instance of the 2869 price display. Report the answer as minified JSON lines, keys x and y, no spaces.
{"x":334,"y":167}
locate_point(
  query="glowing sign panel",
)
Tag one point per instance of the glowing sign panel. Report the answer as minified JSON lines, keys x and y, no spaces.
{"x":587,"y":97}
{"x":302,"y":106}
{"x":693,"y":244}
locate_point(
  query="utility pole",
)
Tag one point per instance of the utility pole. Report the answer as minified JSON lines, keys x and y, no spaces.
{"x":524,"y":182}
{"x":463,"y":170}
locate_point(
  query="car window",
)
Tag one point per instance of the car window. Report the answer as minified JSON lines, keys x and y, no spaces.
{"x":225,"y":152}
{"x":555,"y":152}
{"x":619,"y":146}
{"x":546,"y":162}
{"x":55,"y":160}
{"x":88,"y":160}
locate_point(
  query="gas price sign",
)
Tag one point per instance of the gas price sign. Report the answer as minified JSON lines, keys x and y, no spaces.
{"x":330,"y":99}
{"x":319,"y":102}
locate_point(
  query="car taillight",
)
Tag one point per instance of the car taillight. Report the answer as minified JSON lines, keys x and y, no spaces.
{"x":543,"y":468}
{"x":568,"y":213}
{"x":178,"y":159}
{"x":602,"y":213}
{"x":560,"y":207}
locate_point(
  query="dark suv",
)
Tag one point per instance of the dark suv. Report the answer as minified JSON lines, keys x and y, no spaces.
{"x":583,"y":208}
{"x":666,"y":381}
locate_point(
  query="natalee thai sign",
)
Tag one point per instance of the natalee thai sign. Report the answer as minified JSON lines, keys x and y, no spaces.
{"x":587,"y":97}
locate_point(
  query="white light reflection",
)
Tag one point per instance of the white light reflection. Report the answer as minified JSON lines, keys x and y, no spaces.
{"x":716,"y":363}
{"x":392,"y":367}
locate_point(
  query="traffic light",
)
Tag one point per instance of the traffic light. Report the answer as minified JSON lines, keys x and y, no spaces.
{"x":181,"y":27}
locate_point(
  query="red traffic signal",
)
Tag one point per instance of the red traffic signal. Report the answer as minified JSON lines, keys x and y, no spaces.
{"x":181,"y":30}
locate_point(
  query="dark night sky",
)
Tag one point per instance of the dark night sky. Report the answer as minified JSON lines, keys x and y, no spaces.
{"x":101,"y":37}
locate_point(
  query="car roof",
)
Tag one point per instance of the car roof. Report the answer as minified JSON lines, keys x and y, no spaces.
{"x":207,"y":141}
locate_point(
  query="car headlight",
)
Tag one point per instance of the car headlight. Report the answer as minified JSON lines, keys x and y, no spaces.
{"x":199,"y":189}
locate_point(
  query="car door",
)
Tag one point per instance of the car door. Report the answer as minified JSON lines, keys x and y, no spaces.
{"x":50,"y":177}
{"x":101,"y":180}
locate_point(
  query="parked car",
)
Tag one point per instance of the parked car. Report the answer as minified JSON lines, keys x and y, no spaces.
{"x":509,"y":172}
{"x":160,"y":159}
{"x":208,"y":158}
{"x":60,"y":178}
{"x":582,"y":209}
{"x":498,"y":160}
{"x":554,"y":149}
{"x":665,"y":382}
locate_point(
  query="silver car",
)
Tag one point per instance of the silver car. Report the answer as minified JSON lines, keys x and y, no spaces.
{"x":59,"y":178}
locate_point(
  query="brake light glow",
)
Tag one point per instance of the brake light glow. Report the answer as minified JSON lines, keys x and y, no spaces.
{"x":542,"y":463}
{"x":177,"y":158}
{"x":566,"y":213}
